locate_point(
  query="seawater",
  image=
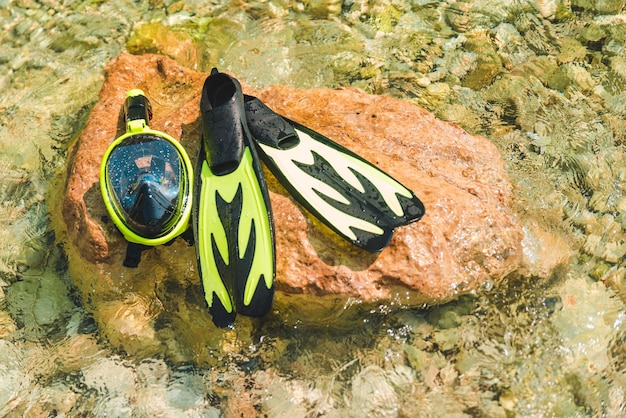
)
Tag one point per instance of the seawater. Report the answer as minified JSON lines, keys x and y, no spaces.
{"x":544,"y":80}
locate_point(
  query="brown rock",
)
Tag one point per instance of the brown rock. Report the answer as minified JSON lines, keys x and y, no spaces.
{"x":468,"y":237}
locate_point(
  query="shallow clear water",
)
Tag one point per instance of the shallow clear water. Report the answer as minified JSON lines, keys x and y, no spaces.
{"x":544,"y":80}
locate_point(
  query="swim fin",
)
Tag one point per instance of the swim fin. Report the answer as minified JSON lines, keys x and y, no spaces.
{"x":233,"y":227}
{"x":354,"y":198}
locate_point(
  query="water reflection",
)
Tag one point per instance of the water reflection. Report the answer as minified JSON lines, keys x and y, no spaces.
{"x":542,"y":79}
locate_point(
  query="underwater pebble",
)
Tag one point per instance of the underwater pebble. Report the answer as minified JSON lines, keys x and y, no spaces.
{"x":437,"y":75}
{"x":617,"y":104}
{"x":7,"y":325}
{"x":617,"y":395}
{"x":6,"y":53}
{"x":614,"y":251}
{"x":547,"y":8}
{"x":620,"y":206}
{"x":535,"y":32}
{"x":488,"y":63}
{"x":322,"y":8}
{"x":571,"y":75}
{"x":599,"y":270}
{"x":115,"y":382}
{"x":420,"y":359}
{"x":423,"y":81}
{"x":402,"y":377}
{"x":130,"y":323}
{"x":446,"y":339}
{"x":611,"y":229}
{"x":373,"y":395}
{"x":13,"y":377}
{"x":443,"y":317}
{"x":571,"y":50}
{"x":613,"y":48}
{"x":429,"y":375}
{"x":616,"y":279}
{"x":292,"y":397}
{"x":593,"y":32}
{"x":457,"y":15}
{"x":618,"y":66}
{"x":465,"y":361}
{"x":544,"y":250}
{"x":185,"y":391}
{"x":417,"y":358}
{"x":436,"y":94}
{"x":601,"y":6}
{"x":594,"y":245}
{"x":461,"y":62}
{"x":58,"y":396}
{"x":511,"y":45}
{"x":448,"y":375}
{"x":585,"y":329}
{"x":492,"y":410}
{"x":162,"y":391}
{"x":78,"y":352}
{"x":155,"y":37}
{"x":461,"y":115}
{"x":508,"y":400}
{"x":25,"y":28}
{"x":52,"y":302}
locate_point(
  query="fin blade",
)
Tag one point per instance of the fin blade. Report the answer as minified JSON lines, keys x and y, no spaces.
{"x":255,"y":294}
{"x":357,"y":176}
{"x":353,"y":197}
{"x":211,"y":250}
{"x":235,"y":242}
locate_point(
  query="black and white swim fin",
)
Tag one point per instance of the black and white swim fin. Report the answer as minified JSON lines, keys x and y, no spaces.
{"x":350,"y":195}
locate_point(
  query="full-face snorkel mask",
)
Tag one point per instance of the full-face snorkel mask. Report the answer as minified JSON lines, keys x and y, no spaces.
{"x":146,"y":179}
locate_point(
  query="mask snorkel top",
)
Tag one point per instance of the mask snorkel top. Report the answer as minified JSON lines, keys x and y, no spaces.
{"x":146,"y":179}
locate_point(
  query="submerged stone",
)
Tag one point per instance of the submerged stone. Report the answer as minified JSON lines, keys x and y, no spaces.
{"x":488,"y":63}
{"x":468,"y":237}
{"x":571,"y":75}
{"x":571,"y":51}
{"x":600,"y":6}
{"x":320,"y":8}
{"x":592,"y":33}
{"x":547,"y":8}
{"x":373,"y":394}
{"x":158,"y":38}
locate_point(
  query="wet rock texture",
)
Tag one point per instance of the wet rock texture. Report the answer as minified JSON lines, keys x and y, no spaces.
{"x":468,"y":238}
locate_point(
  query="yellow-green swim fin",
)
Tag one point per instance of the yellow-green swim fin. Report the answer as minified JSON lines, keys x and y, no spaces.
{"x":232,"y":220}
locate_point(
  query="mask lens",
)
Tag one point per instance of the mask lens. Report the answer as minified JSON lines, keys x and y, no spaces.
{"x":144,"y":172}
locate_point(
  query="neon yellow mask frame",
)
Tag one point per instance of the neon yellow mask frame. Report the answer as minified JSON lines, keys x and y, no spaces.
{"x":137,"y":114}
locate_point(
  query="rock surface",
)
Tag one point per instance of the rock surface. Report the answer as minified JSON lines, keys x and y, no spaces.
{"x":468,"y":238}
